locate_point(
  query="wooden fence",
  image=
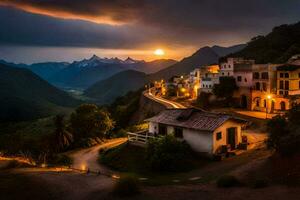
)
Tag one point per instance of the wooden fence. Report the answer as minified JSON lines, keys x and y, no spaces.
{"x":141,"y":138}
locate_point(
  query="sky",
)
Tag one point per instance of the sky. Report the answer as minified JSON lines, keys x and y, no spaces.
{"x":67,"y":30}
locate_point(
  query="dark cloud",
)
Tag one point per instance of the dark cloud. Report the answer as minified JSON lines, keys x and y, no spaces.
{"x":144,"y":22}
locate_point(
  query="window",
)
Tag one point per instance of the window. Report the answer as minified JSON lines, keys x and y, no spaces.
{"x":257,"y":102}
{"x":257,"y":86}
{"x":229,"y":66}
{"x":281,"y":75}
{"x":228,"y":73}
{"x":281,"y":85}
{"x":239,"y":78}
{"x":286,"y":93}
{"x":256,"y":75}
{"x":246,"y":80}
{"x":162,"y":129}
{"x":286,"y":75}
{"x":178,"y":132}
{"x":219,"y":136}
{"x":281,"y":92}
{"x":223,"y":73}
{"x":265,"y":75}
{"x":287,"y":85}
{"x":264,"y":86}
{"x":265,"y":103}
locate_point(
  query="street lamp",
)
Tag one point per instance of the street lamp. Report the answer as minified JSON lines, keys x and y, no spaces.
{"x":268,"y":98}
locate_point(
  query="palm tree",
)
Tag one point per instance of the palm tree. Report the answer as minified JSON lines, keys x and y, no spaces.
{"x":63,"y":138}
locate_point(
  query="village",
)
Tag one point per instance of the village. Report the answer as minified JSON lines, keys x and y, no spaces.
{"x":259,"y":90}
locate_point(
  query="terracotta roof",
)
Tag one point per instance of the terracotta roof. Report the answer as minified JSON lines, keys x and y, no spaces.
{"x":288,"y":67}
{"x":192,"y":118}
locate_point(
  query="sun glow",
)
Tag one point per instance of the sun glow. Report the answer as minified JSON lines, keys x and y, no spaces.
{"x":159,"y":52}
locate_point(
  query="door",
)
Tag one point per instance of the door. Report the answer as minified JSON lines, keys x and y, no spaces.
{"x":244,"y":103}
{"x":162,"y":129}
{"x":282,"y":106}
{"x":272,"y":106}
{"x":231,"y":137}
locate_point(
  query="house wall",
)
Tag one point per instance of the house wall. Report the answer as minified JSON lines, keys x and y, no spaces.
{"x":200,"y":141}
{"x":204,"y":141}
{"x":223,"y":129}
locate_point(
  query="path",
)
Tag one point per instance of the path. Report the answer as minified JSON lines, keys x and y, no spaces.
{"x":87,"y":158}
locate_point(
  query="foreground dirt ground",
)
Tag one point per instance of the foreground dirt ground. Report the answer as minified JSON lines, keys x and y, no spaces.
{"x":68,"y":185}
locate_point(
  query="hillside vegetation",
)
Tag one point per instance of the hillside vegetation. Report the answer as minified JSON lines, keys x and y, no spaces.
{"x":25,"y":96}
{"x":106,"y":91}
{"x":276,"y":47}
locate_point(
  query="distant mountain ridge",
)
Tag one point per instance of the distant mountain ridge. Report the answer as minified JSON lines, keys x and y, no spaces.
{"x":82,"y":74}
{"x":26,"y":96}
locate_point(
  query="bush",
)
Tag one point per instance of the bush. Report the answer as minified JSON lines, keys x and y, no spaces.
{"x":260,"y":183}
{"x":168,"y":154}
{"x":60,"y":160}
{"x":126,"y":187}
{"x":227,"y":181}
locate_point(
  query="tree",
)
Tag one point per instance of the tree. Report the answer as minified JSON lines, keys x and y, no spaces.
{"x":203,"y":100}
{"x":285,"y":132}
{"x":168,"y":154}
{"x":63,"y":138}
{"x":225,"y":88}
{"x":89,"y":120}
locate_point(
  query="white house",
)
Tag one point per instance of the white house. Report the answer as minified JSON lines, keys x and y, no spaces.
{"x":205,"y":132}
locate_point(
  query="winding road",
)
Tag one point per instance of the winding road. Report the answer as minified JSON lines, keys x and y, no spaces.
{"x":87,"y":159}
{"x":165,"y":102}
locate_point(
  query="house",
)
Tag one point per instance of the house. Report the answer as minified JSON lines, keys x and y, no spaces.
{"x":227,"y":67}
{"x":288,"y":86}
{"x":205,"y":132}
{"x":264,"y":87}
{"x":209,"y":76}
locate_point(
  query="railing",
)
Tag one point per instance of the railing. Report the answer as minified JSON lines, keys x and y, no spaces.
{"x":141,"y":137}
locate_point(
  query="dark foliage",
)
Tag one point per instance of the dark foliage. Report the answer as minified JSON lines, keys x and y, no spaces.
{"x":285,"y":132}
{"x":225,"y":88}
{"x":89,"y":121}
{"x":168,"y":154}
{"x":276,"y":47}
{"x":124,"y":107}
{"x":203,"y":100}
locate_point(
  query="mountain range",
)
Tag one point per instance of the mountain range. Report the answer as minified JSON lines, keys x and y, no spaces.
{"x":84,"y":73}
{"x":26,"y":96}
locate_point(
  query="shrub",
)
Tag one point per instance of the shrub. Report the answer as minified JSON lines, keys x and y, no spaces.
{"x":227,"y":181}
{"x":168,"y":154}
{"x":260,"y":183}
{"x":60,"y":160}
{"x":126,"y":187}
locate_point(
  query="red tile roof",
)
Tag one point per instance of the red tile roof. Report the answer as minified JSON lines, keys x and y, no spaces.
{"x":193,"y":119}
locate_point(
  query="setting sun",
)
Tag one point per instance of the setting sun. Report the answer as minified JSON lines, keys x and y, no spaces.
{"x":159,"y":52}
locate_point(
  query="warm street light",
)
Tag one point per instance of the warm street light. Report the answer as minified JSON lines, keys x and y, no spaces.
{"x":268,"y":98}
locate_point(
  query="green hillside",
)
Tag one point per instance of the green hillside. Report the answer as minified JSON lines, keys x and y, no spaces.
{"x":106,"y":91}
{"x":25,"y":96}
{"x":276,"y":47}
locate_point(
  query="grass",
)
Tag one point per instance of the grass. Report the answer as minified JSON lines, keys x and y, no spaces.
{"x":125,"y":158}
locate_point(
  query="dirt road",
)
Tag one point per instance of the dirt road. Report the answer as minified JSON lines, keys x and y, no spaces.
{"x":87,"y":158}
